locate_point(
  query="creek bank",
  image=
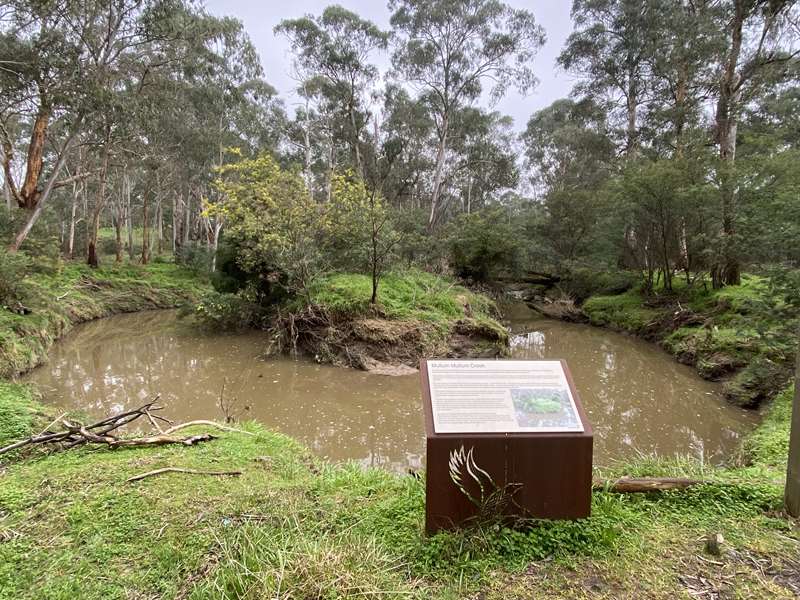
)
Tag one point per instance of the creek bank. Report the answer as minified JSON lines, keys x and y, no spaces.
{"x":57,"y":299}
{"x":723,"y":333}
{"x":418,"y":315}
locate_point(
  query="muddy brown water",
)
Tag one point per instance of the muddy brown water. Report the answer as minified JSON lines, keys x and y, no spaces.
{"x":638,"y":399}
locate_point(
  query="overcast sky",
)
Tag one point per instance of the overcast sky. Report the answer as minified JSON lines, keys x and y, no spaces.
{"x":261,"y":16}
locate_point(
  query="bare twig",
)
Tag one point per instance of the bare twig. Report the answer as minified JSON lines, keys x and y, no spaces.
{"x":180,"y":470}
{"x":209,"y":423}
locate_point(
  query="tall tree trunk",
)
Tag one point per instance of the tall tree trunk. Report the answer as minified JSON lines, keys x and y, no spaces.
{"x":631,"y":103}
{"x":792,"y":495}
{"x":727,"y":271}
{"x":73,"y":213}
{"x":307,"y":149}
{"x":145,"y":232}
{"x":92,"y":258}
{"x":22,"y":234}
{"x":118,"y":235}
{"x":160,"y":228}
{"x":356,"y":149}
{"x":174,"y":222}
{"x":439,"y":173}
{"x":329,"y":186}
{"x":29,"y":192}
{"x":681,"y":95}
{"x":187,"y":219}
{"x":215,"y":242}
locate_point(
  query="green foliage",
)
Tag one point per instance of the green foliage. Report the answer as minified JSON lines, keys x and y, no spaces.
{"x":583,"y":282}
{"x":14,"y":267}
{"x":485,"y":243}
{"x":228,"y":312}
{"x":624,"y":311}
{"x":273,"y":222}
{"x":195,"y":257}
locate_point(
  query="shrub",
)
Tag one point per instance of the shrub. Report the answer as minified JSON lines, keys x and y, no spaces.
{"x":14,"y":267}
{"x":485,"y":243}
{"x":195,"y":257}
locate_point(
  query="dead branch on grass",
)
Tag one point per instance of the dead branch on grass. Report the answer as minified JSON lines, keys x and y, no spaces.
{"x":180,"y":470}
{"x":73,"y":433}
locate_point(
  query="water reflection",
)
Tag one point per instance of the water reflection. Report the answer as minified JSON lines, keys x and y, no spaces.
{"x":637,"y":397}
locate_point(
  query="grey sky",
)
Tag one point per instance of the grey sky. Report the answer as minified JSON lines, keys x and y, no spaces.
{"x":260,"y":17}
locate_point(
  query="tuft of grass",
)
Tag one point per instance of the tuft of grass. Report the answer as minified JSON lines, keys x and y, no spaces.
{"x":625,"y":312}
{"x":768,"y":445}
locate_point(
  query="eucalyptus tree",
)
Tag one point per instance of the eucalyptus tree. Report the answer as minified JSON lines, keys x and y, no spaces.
{"x":408,"y":125}
{"x":77,"y":54}
{"x":448,"y":50}
{"x":609,"y":50}
{"x":569,"y":156}
{"x":336,"y":49}
{"x":484,"y":157}
{"x":679,"y":62}
{"x":762,"y":43}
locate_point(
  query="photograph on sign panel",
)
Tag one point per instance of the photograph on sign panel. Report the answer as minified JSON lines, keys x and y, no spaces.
{"x":544,"y":408}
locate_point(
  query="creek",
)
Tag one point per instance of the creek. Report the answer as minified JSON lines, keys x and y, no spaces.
{"x":638,"y":399}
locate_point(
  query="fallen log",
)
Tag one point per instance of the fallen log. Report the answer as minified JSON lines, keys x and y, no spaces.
{"x":642,"y":485}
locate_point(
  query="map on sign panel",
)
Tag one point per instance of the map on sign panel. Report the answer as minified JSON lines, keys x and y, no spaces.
{"x":501,"y":396}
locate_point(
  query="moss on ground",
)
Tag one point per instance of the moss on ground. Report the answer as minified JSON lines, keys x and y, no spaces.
{"x":729,"y":334}
{"x":292,"y":526}
{"x":65,"y":295}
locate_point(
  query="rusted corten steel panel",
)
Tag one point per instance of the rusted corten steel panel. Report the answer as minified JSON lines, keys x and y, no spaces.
{"x":545,"y":475}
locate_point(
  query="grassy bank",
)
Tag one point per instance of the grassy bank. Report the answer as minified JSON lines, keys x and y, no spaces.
{"x":739,"y":334}
{"x":417,"y":315}
{"x":293,"y":527}
{"x":55,"y":298}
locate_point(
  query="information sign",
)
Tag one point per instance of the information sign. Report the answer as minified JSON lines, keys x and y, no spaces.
{"x":508,"y":396}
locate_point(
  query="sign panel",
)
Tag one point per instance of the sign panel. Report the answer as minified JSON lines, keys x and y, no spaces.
{"x":501,"y":396}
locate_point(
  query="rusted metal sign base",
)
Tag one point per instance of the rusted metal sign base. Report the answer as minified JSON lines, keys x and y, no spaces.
{"x":530,"y":475}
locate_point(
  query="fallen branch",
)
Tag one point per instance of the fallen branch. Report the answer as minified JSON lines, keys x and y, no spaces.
{"x":633,"y":485}
{"x":179,"y":470}
{"x":209,"y":423}
{"x":75,"y":433}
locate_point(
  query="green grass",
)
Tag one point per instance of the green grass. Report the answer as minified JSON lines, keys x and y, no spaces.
{"x":624,"y":311}
{"x":62,"y":295}
{"x":429,"y":306}
{"x":293,"y":527}
{"x":404,"y":295}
